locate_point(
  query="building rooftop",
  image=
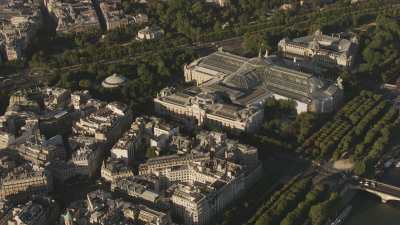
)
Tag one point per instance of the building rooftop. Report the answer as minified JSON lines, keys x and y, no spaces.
{"x":219,"y":63}
{"x":30,"y":212}
{"x":231,"y":89}
{"x":137,"y":188}
{"x":73,"y":15}
{"x":114,"y":81}
{"x":334,"y":43}
{"x":21,"y":173}
{"x":115,"y":166}
{"x":102,"y":208}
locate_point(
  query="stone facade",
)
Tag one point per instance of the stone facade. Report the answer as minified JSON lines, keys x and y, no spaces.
{"x":202,"y":183}
{"x":113,"y":169}
{"x":230,"y":90}
{"x":73,"y":16}
{"x":321,"y":49}
{"x":25,"y":181}
{"x":20,"y":23}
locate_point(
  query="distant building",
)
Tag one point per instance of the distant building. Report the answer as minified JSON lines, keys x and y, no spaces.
{"x":16,"y":129}
{"x":113,"y":169}
{"x":203,"y":108}
{"x":106,"y":124}
{"x":150,"y":33}
{"x":36,"y":211}
{"x":20,"y":23}
{"x":321,"y":49}
{"x":131,"y":142}
{"x":101,"y":208}
{"x":286,"y":7}
{"x":145,"y":132}
{"x":81,"y":161}
{"x":68,"y":220}
{"x":136,"y":187}
{"x":227,"y":94}
{"x":231,"y":91}
{"x":114,"y":81}
{"x":357,"y":1}
{"x":161,"y":133}
{"x":34,"y":111}
{"x":201,"y":182}
{"x":25,"y":100}
{"x":24,"y":180}
{"x":221,"y":3}
{"x":113,"y":14}
{"x":56,"y":98}
{"x":73,"y":16}
{"x":57,"y":122}
{"x":29,"y":214}
{"x":7,"y":163}
{"x":38,"y":152}
{"x":6,"y":207}
{"x":62,"y":170}
{"x":32,"y":213}
{"x":140,"y":18}
{"x":148,"y":215}
{"x":79,"y":98}
{"x":201,"y":185}
{"x":181,"y":144}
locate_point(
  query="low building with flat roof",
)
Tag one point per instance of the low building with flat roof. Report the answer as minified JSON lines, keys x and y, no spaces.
{"x":140,"y":18}
{"x":137,"y":187}
{"x":150,"y":33}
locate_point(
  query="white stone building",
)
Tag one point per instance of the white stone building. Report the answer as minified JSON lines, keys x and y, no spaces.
{"x":150,"y":33}
{"x":321,"y":49}
{"x":131,"y":141}
{"x":114,"y":81}
{"x":231,"y":90}
{"x":202,"y":183}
